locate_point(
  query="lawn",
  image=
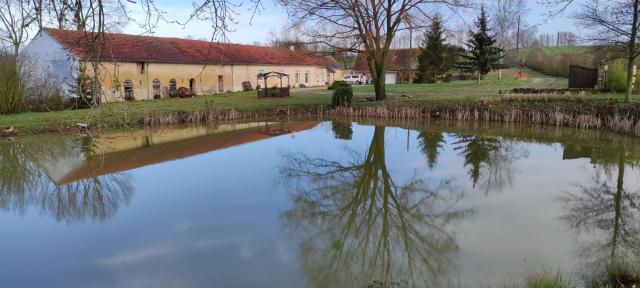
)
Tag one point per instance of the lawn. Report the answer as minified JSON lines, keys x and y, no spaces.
{"x":125,"y":113}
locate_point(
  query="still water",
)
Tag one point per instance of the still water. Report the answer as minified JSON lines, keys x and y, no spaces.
{"x":315,"y":204}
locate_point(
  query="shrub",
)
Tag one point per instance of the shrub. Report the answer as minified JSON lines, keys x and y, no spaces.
{"x":617,"y":75}
{"x":12,"y":92}
{"x":336,"y":84}
{"x":342,"y":96}
{"x":184,"y":92}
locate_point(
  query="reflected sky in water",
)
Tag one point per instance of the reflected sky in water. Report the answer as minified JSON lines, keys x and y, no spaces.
{"x":323,"y":204}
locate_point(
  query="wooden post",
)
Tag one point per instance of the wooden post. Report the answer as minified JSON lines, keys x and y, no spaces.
{"x":635,"y":74}
{"x":518,"y":39}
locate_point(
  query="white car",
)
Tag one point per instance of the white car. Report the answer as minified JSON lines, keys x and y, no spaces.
{"x":355,"y":79}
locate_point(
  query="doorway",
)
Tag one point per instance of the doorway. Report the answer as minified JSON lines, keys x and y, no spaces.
{"x":192,"y":86}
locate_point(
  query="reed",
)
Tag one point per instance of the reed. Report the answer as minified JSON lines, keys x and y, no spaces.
{"x":533,"y":110}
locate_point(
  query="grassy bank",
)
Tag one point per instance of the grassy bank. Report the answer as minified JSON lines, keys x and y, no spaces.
{"x":461,"y":100}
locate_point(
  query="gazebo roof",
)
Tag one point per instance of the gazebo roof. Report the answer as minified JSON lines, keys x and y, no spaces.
{"x":272,"y":73}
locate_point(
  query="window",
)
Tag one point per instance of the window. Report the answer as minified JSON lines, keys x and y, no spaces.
{"x":156,"y":89}
{"x":297,"y":78}
{"x":140,"y":67}
{"x":173,"y":88}
{"x":128,"y":90}
{"x":220,"y":83}
{"x":306,"y":77}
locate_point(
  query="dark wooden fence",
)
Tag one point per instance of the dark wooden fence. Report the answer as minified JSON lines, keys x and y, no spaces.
{"x":581,"y":77}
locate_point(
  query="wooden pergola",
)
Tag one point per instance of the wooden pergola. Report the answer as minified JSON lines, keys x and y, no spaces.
{"x":265,"y":91}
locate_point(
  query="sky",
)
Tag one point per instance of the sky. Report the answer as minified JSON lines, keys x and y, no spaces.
{"x":254,"y":30}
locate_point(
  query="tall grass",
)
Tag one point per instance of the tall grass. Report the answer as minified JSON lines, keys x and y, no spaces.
{"x":546,"y":279}
{"x":620,"y":274}
{"x":12,"y":96}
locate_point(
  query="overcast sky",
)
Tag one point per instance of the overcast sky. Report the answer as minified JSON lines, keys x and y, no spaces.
{"x":272,"y":16}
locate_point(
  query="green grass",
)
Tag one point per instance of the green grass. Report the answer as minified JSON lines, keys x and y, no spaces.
{"x":125,"y":113}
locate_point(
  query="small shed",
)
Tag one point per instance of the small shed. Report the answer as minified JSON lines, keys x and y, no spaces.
{"x":582,"y":77}
{"x":275,"y":91}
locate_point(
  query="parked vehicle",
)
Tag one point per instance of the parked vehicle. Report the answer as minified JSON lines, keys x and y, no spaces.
{"x":355,"y":79}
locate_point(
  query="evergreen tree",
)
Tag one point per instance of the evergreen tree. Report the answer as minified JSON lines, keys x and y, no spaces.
{"x":433,"y":60}
{"x":82,"y":88}
{"x":483,"y":55}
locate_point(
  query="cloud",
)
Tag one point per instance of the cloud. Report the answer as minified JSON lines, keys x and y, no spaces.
{"x":135,"y":256}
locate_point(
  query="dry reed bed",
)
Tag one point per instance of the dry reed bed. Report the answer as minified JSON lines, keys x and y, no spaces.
{"x":584,"y":115}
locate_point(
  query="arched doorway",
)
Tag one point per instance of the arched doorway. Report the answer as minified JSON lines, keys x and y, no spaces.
{"x":128,"y":90}
{"x":192,"y":86}
{"x":156,"y":89}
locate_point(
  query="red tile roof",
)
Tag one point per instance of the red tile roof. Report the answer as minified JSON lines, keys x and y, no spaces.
{"x":397,"y":60}
{"x":134,"y":48}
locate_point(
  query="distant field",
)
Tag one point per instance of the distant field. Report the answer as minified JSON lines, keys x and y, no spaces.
{"x":553,"y":50}
{"x":555,"y":61}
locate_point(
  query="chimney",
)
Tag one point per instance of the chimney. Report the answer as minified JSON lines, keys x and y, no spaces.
{"x":292,"y":47}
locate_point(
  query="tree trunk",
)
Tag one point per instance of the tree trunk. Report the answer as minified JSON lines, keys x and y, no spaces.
{"x":618,"y":209}
{"x":479,"y":75}
{"x":632,"y":51}
{"x":378,"y":85}
{"x":377,"y":68}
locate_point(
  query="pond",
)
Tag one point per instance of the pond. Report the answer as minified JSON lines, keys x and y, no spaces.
{"x":315,"y":204}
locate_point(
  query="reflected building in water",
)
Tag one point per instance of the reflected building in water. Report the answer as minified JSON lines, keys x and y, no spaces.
{"x":73,"y":179}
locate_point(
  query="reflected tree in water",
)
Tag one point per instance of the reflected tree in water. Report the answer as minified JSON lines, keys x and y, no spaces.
{"x":431,"y":143}
{"x":342,"y":129}
{"x":26,"y":181}
{"x":489,"y":160}
{"x":605,"y":206}
{"x":358,"y":228}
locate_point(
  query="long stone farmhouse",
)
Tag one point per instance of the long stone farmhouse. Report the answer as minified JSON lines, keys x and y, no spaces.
{"x":133,"y":67}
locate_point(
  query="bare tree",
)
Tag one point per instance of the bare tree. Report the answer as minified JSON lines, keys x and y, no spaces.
{"x":15,"y":18}
{"x":374,"y":24}
{"x":614,"y":23}
{"x":506,"y":14}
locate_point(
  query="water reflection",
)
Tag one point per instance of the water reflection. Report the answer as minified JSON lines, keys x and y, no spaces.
{"x":375,"y":214}
{"x":78,"y":178}
{"x":489,"y":160}
{"x":28,"y":179}
{"x":431,"y":143}
{"x":342,"y":129}
{"x":359,"y":228}
{"x":606,"y":207}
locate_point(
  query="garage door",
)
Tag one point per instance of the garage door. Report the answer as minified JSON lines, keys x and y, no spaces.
{"x":390,"y":78}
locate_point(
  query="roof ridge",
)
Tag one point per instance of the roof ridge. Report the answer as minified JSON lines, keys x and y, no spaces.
{"x":145,"y":48}
{"x":179,"y":39}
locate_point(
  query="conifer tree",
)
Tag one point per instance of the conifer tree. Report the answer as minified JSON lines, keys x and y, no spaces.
{"x":483,"y":53}
{"x":433,"y":60}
